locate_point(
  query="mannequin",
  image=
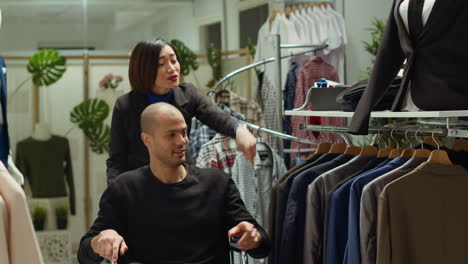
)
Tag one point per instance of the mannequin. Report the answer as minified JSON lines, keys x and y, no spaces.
{"x":435,"y":54}
{"x":41,"y":132}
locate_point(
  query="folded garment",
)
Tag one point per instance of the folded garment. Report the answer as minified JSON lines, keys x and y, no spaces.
{"x":349,"y":98}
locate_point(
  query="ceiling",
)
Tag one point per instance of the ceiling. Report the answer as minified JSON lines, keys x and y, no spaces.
{"x":118,"y":12}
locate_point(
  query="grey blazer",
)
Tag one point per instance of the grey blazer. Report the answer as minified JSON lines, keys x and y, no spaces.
{"x":437,"y":64}
{"x":127,"y":151}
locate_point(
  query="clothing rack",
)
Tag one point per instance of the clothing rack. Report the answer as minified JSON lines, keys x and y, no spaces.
{"x":266,"y":61}
{"x":442,"y":132}
{"x":445,"y":128}
{"x":277,"y":59}
{"x":278,"y":134}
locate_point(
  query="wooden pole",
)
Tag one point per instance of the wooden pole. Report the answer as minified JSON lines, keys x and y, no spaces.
{"x":36,"y":109}
{"x":87,"y":196}
{"x":249,"y":75}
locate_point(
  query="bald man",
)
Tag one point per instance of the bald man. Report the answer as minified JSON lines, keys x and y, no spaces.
{"x":168,"y":211}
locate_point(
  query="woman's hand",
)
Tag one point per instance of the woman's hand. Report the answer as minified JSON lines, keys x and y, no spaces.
{"x":246,"y":142}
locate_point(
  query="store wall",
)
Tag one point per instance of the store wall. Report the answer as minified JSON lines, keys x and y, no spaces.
{"x":172,"y":22}
{"x":358,"y":16}
{"x":56,"y":103}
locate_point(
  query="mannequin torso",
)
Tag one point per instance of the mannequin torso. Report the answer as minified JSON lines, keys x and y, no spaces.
{"x":41,"y":132}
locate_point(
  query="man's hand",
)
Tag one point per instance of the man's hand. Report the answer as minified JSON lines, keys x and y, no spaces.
{"x":246,"y":142}
{"x":109,"y":244}
{"x":250,"y":238}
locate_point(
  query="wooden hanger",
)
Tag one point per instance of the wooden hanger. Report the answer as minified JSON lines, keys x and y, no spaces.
{"x":353,"y":150}
{"x":421,"y":153}
{"x":460,"y":145}
{"x":288,"y":11}
{"x":383,"y":153}
{"x":438,"y":155}
{"x":273,"y":16}
{"x":430,"y":141}
{"x":407,"y":153}
{"x":323,"y":147}
{"x":337,"y":148}
{"x":395,"y":153}
{"x":369,"y":151}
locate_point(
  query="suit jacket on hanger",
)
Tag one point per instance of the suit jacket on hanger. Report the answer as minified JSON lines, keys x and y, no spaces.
{"x":422,"y":217}
{"x":436,"y":63}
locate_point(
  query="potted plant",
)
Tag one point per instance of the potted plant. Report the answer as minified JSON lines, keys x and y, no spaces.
{"x":39,"y":215}
{"x":61,"y":214}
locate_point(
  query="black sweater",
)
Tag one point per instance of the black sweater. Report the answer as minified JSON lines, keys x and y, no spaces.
{"x":184,"y":222}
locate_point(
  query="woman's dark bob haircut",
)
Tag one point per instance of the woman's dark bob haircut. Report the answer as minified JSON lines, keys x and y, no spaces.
{"x":144,"y":63}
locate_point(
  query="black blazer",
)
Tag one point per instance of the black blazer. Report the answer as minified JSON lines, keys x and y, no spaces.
{"x":127,"y":151}
{"x":437,"y":64}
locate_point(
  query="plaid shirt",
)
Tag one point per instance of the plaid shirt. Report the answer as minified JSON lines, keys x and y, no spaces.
{"x":199,"y":135}
{"x":255,"y":182}
{"x":220,"y":152}
{"x":269,"y":98}
{"x":310,"y":73}
{"x":250,"y":109}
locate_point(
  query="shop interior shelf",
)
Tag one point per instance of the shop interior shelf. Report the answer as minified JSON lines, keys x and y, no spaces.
{"x":382,"y":114}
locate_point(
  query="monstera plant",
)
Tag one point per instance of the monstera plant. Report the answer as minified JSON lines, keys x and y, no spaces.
{"x":187,"y":60}
{"x":47,"y":67}
{"x":89,"y":116}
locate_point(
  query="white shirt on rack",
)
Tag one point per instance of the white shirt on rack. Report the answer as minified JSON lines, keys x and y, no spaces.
{"x":266,"y":45}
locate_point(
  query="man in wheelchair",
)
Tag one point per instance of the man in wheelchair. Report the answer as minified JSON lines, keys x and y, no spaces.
{"x":169,"y":211}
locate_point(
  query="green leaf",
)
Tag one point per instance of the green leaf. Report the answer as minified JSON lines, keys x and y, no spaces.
{"x":89,"y":113}
{"x":99,"y":137}
{"x":47,"y":67}
{"x":89,"y":116}
{"x":187,"y":60}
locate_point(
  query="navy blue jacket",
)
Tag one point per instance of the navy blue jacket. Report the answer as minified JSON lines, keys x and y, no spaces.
{"x":4,"y":138}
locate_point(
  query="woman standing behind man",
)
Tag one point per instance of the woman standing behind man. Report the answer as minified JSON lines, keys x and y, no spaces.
{"x":154,"y":73}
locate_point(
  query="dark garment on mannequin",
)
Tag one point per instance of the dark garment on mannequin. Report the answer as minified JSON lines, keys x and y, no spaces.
{"x":435,"y":63}
{"x":47,"y":166}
